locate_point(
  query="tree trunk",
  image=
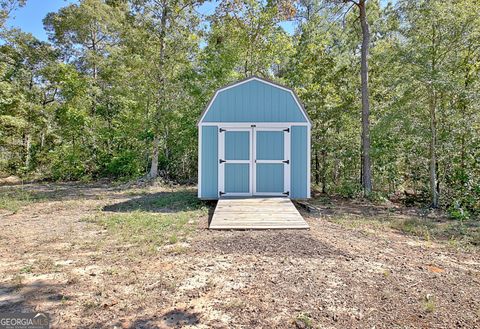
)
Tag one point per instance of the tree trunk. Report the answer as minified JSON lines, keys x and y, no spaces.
{"x":433,"y":147}
{"x":324,"y":171}
{"x":366,"y":162}
{"x":154,"y":167}
{"x":160,"y":95}
{"x":27,"y":145}
{"x":433,"y":126}
{"x":336,"y":163}
{"x":336,"y":170}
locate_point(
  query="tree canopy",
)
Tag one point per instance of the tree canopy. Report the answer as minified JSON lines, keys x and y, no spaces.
{"x":118,"y":88}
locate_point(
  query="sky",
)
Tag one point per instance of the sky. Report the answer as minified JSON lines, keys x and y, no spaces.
{"x":29,"y":18}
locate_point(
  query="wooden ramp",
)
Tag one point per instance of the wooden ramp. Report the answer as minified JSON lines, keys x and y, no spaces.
{"x":256,"y":213}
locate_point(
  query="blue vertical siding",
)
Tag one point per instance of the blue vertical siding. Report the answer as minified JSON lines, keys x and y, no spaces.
{"x":270,"y":145}
{"x":254,"y":101}
{"x":237,"y":145}
{"x":237,"y":177}
{"x":270,"y":177}
{"x":209,"y":181}
{"x":251,"y":103}
{"x":299,"y":158}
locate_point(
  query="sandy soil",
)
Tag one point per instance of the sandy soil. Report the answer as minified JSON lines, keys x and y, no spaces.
{"x":54,"y":261}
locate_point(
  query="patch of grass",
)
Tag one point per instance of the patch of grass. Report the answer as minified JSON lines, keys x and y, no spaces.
{"x":64,"y":300}
{"x":137,"y":192}
{"x":429,"y":304}
{"x":182,"y":200}
{"x":359,"y":222}
{"x":26,"y":269}
{"x":173,"y":239}
{"x":150,"y":229}
{"x":15,"y":199}
{"x":72,"y":278}
{"x":90,"y":305}
{"x":45,"y":265}
{"x":455,"y":233}
{"x":235,"y":304}
{"x":17,"y":282}
{"x":111,"y":271}
{"x":463,"y":232}
{"x":304,"y":320}
{"x":177,"y":250}
{"x":154,"y":220}
{"x":414,"y":226}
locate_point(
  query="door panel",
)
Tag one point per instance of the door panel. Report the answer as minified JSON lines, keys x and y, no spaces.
{"x":271,"y":163}
{"x":270,"y":178}
{"x":235,"y":169}
{"x":237,"y":178}
{"x":270,"y":145}
{"x":237,"y":145}
{"x":254,"y":161}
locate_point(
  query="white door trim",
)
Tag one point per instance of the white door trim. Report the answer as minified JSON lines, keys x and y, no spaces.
{"x":221,"y":156}
{"x":286,"y":157}
{"x":252,"y":161}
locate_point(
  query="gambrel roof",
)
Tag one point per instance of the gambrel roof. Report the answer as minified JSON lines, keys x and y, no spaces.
{"x":254,"y":99}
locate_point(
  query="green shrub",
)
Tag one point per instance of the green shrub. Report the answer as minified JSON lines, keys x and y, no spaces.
{"x":68,"y":163}
{"x":377,"y":197}
{"x":349,"y":190}
{"x":456,"y":211}
{"x":125,"y":164}
{"x":415,"y":226}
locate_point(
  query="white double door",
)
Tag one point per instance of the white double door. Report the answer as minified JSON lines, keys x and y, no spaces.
{"x":254,"y":161}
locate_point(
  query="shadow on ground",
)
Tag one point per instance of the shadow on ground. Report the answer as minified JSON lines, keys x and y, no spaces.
{"x":61,"y":191}
{"x":274,"y":243}
{"x":159,"y":202}
{"x":23,"y":297}
{"x":174,"y":319}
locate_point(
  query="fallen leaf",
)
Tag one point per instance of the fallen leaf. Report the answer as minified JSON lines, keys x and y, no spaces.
{"x":434,"y":269}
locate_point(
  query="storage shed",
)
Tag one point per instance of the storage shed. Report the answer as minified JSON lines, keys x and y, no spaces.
{"x":254,"y":140}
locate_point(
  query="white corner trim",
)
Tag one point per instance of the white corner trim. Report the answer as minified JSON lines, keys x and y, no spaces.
{"x":260,"y":80}
{"x":309,"y":161}
{"x":199,"y":166}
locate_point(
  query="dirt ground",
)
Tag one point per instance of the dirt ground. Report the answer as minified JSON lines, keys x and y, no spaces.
{"x":56,"y":259}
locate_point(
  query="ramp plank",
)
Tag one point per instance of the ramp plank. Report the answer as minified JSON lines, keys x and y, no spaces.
{"x":256,"y":213}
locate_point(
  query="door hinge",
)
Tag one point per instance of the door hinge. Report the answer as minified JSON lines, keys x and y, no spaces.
{"x":222,"y":161}
{"x":286,"y":161}
{"x":253,"y":126}
{"x":287,"y":130}
{"x":221,"y":130}
{"x":286,"y":193}
{"x":221,"y":193}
